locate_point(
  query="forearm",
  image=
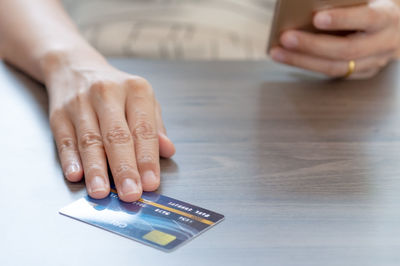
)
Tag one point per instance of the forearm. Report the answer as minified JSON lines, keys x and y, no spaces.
{"x":36,"y":36}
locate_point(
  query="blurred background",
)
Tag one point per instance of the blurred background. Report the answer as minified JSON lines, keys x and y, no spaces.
{"x":175,"y":29}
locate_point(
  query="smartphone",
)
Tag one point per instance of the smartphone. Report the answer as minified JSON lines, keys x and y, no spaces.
{"x":298,"y":14}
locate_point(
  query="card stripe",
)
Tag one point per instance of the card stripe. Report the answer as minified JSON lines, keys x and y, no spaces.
{"x":191,"y":216}
{"x":188,"y":215}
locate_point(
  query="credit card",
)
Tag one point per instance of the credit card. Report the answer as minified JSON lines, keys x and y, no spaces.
{"x":156,"y":220}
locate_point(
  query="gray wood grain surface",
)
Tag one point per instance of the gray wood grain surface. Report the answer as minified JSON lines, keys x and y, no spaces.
{"x":306,"y":170}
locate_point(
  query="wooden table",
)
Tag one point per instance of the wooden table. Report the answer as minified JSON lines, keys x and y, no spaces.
{"x":306,"y":170}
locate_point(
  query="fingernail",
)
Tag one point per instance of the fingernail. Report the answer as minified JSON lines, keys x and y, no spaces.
{"x":149,"y":177}
{"x":163,"y":135}
{"x":290,"y":40}
{"x":323,"y":20}
{"x":129,"y":187}
{"x":97,"y":185}
{"x":72,"y":168}
{"x":277,"y":55}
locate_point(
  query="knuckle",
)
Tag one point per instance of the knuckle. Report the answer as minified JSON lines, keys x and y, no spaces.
{"x":101,"y":88}
{"x":94,"y":169}
{"x":137,"y":82}
{"x":147,"y":159}
{"x":139,"y":85}
{"x":66,"y":144}
{"x":125,"y":169}
{"x":118,"y":135}
{"x":98,"y":87}
{"x":144,"y":130}
{"x":90,"y":139}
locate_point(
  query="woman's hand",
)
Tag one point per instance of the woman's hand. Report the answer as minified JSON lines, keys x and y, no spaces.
{"x":98,"y":115}
{"x":373,"y":45}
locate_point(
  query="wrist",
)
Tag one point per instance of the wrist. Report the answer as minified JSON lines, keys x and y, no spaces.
{"x":57,"y":61}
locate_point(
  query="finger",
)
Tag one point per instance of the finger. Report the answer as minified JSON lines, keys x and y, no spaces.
{"x":92,"y":153}
{"x":167,"y":148}
{"x":118,"y":142}
{"x":370,"y":17}
{"x":120,"y":151}
{"x":142,"y":123}
{"x":366,"y":74}
{"x":64,"y":135}
{"x":332,"y":68}
{"x":339,"y":48}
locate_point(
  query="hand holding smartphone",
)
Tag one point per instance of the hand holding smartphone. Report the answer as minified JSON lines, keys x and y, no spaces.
{"x":298,"y":14}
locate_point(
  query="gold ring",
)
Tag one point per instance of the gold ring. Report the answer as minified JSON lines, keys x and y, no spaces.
{"x":352,"y":67}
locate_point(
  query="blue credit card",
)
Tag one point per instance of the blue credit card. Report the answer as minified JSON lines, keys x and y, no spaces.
{"x":156,"y":220}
